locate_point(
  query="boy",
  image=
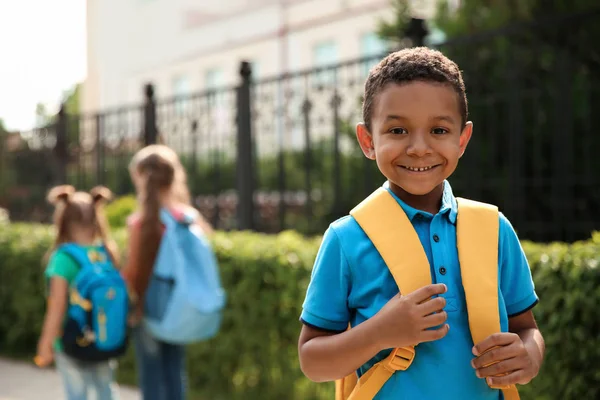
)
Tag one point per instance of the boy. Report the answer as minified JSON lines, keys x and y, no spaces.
{"x":415,"y":127}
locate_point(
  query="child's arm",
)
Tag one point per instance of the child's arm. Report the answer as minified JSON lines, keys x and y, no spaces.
{"x":55,"y":312}
{"x":518,"y":353}
{"x":327,"y":356}
{"x":403,"y":321}
{"x":525,"y":326}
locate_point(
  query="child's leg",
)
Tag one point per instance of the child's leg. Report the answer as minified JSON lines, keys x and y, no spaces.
{"x":102,"y":377}
{"x":75,"y":379}
{"x":149,"y":363}
{"x":174,"y":358}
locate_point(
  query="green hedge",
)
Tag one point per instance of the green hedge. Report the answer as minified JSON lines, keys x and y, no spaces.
{"x":118,"y":210}
{"x":255,"y":355}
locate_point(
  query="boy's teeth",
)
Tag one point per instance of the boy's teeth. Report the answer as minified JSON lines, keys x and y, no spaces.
{"x":418,"y":169}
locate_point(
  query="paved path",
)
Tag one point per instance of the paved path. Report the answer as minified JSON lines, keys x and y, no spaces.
{"x":23,"y":381}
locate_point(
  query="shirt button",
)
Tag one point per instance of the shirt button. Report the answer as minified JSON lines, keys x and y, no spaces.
{"x":436,"y":238}
{"x":443,"y":270}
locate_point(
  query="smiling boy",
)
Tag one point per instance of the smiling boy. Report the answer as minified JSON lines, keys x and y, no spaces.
{"x":416,"y":129}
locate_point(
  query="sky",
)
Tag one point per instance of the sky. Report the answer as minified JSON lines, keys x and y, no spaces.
{"x":42,"y":54}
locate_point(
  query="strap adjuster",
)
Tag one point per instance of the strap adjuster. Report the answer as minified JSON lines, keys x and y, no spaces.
{"x":400,"y":358}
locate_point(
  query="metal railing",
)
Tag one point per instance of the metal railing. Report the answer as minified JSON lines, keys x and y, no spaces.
{"x":280,"y":153}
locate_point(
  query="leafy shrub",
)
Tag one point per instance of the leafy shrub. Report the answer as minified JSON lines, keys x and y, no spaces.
{"x":567,"y":278}
{"x":118,"y":210}
{"x":4,"y":216}
{"x":255,"y":354}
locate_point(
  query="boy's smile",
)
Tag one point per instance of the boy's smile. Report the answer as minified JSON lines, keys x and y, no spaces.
{"x":419,"y":169}
{"x":416,"y":138}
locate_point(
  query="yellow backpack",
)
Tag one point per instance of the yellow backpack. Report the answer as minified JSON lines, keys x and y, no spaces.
{"x":386,"y":225}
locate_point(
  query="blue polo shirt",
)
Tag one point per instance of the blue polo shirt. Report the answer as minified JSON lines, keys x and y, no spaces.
{"x":351,"y":283}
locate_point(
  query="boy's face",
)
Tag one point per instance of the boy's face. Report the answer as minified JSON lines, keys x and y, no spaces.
{"x":417,"y":135}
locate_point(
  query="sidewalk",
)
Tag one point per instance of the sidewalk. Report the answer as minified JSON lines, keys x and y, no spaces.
{"x":23,"y":381}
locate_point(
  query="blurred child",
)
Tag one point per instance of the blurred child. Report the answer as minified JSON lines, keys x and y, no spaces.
{"x":81,"y":229}
{"x":160,"y":183}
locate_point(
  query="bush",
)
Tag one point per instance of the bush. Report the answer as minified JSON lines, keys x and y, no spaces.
{"x":255,"y":355}
{"x":118,"y":211}
{"x":567,"y":279}
{"x":4,"y":216}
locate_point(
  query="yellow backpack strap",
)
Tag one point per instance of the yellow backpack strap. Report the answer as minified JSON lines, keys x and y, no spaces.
{"x":386,"y":225}
{"x":345,"y":386}
{"x":477,"y":229}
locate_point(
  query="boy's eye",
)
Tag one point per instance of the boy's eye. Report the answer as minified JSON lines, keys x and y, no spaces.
{"x":398,"y":131}
{"x":439,"y":131}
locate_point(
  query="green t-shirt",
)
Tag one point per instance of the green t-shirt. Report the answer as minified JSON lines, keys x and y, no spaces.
{"x":62,"y":265}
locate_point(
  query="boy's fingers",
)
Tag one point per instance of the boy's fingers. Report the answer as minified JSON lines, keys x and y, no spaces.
{"x":499,"y":368}
{"x":494,"y":355}
{"x":497,"y":339}
{"x":435,"y":319}
{"x":425,"y":293}
{"x":434,"y":334}
{"x":510,"y":379}
{"x":432,"y":306}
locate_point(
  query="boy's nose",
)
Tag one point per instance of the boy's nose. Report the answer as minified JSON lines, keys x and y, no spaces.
{"x":418,"y":145}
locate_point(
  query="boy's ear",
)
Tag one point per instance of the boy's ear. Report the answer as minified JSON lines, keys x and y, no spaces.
{"x":465,"y":136}
{"x":365,"y":140}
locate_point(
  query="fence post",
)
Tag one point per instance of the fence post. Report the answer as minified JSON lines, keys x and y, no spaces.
{"x":99,"y":149}
{"x":416,"y":31}
{"x":245,"y":153}
{"x":61,"y":146}
{"x":336,"y":101}
{"x":150,"y":131}
{"x":194,"y":149}
{"x":306,"y":108}
{"x":3,"y":159}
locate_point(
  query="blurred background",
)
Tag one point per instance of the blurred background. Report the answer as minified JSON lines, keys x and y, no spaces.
{"x":260,"y":99}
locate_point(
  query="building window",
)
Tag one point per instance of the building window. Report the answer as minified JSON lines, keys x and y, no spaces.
{"x":213,"y":78}
{"x":214,"y":83}
{"x":181,"y":86}
{"x":218,"y":111}
{"x":181,"y":90}
{"x":372,"y":47}
{"x":255,"y":68}
{"x":325,"y":54}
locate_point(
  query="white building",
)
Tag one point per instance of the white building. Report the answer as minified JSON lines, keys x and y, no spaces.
{"x":184,"y":46}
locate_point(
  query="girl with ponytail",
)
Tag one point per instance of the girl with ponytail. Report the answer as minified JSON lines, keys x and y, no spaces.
{"x":79,"y":219}
{"x":160,"y":183}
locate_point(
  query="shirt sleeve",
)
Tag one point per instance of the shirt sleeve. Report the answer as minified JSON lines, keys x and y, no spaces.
{"x":516,"y":282}
{"x":63,"y":266}
{"x":326,"y":304}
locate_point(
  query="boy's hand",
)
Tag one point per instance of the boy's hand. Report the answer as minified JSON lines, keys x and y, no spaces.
{"x":406,"y":320}
{"x":503,"y":360}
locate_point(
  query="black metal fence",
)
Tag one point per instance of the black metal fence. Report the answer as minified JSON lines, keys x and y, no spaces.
{"x":280,"y":153}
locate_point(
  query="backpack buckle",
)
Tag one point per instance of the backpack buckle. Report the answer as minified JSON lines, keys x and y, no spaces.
{"x":400,"y":358}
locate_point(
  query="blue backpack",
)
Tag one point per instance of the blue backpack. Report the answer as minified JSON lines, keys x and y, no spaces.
{"x":185,"y":299}
{"x":96,"y":324}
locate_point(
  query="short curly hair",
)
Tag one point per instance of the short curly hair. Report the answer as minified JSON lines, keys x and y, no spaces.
{"x":409,"y":65}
